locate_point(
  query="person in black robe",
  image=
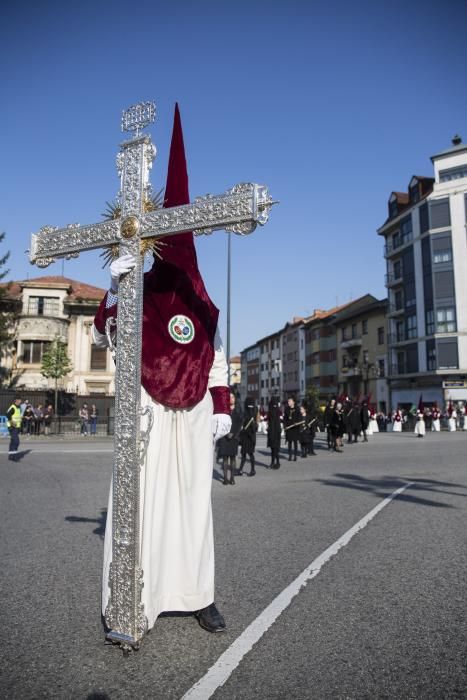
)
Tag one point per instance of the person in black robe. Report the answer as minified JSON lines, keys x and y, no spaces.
{"x":227,"y":446}
{"x":274,"y":431}
{"x":337,"y":427}
{"x":248,"y":435}
{"x":364,"y":420}
{"x":292,"y":423}
{"x":355,"y":422}
{"x":304,"y":436}
{"x":348,"y":411}
{"x":328,"y":412}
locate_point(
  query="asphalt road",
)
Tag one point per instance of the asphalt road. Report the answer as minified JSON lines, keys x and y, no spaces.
{"x":384,"y":617}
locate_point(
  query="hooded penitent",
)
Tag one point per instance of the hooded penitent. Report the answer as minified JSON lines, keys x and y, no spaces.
{"x":179,"y":318}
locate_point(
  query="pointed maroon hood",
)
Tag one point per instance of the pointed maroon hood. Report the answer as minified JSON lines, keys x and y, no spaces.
{"x":173,"y":373}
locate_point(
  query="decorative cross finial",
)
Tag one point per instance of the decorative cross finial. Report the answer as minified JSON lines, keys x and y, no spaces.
{"x":136,"y":117}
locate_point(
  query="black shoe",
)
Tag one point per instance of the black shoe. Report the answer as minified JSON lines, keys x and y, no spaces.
{"x":295,"y":458}
{"x":232,"y":481}
{"x":210,"y":619}
{"x":252,"y":473}
{"x":226,"y":482}
{"x":314,"y":454}
{"x":240,"y":472}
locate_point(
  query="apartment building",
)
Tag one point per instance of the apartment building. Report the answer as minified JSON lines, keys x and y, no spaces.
{"x":270,"y":372}
{"x":50,"y":307}
{"x":361,"y":351}
{"x":426,"y":257}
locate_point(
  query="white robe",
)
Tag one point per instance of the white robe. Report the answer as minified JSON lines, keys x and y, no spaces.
{"x":420,"y":427}
{"x":397,"y":426}
{"x":177,"y":544}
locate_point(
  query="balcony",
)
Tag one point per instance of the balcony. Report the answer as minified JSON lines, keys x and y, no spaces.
{"x":352,"y":371}
{"x":402,"y":337}
{"x":395,"y":309}
{"x":354,"y":342}
{"x":394,"y":245}
{"x":391,"y":279}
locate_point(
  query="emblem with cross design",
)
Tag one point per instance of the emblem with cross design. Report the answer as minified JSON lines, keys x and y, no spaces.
{"x":137,"y":226}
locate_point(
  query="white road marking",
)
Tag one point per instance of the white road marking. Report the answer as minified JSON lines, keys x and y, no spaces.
{"x":32,"y":450}
{"x":230,"y":659}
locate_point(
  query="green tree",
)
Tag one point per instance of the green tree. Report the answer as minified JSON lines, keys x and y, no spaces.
{"x":312,"y":398}
{"x":56,"y":363}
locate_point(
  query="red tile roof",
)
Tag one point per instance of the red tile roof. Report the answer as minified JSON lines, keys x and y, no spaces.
{"x":77,"y":291}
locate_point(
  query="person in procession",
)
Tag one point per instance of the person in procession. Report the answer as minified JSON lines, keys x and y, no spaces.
{"x":274,"y":431}
{"x":248,"y":436}
{"x":436,"y":414}
{"x":397,"y":421}
{"x":184,"y":382}
{"x":328,"y":412}
{"x":292,"y":423}
{"x":304,"y":435}
{"x":227,"y":446}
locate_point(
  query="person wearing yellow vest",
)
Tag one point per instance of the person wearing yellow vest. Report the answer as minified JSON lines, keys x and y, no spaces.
{"x":14,"y":426}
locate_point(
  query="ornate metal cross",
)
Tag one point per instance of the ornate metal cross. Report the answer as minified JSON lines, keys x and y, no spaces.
{"x":135,"y":227}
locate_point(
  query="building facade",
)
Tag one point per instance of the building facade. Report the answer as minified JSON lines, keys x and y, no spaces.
{"x":426,"y":257}
{"x":249,"y":368}
{"x":362,"y":351}
{"x":56,"y":307}
{"x":292,"y":340}
{"x":270,"y":376}
{"x":321,"y":352}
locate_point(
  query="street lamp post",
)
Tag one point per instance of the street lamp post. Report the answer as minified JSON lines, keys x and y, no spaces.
{"x":228,"y":305}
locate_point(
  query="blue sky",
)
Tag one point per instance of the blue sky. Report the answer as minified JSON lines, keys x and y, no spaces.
{"x":331,"y":104}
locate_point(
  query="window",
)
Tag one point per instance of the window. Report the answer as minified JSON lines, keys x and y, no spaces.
{"x":430,"y":355}
{"x":447,"y":354}
{"x":414,"y":193}
{"x":364,"y":327}
{"x":344,"y":333}
{"x":411,"y":326}
{"x":440,"y":215}
{"x":444,"y":284}
{"x":98,"y":358}
{"x":381,"y":368}
{"x":365,"y":357}
{"x":43,"y":306}
{"x":399,"y":331}
{"x":406,"y":230}
{"x":33,"y":351}
{"x":397,"y":270}
{"x":398,"y":300}
{"x":442,"y":256}
{"x":424,"y":222}
{"x":381,"y":335}
{"x":446,"y":320}
{"x":354,"y":330}
{"x":453,"y":173}
{"x":429,"y":322}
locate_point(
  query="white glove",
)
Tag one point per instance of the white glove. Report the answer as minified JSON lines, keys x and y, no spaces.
{"x":221,"y":424}
{"x":119,"y":267}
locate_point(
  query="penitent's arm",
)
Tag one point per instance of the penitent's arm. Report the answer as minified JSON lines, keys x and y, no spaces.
{"x":217,"y":382}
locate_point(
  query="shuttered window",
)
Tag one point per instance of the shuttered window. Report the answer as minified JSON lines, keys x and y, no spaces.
{"x":444,"y":284}
{"x":440,"y":215}
{"x":447,"y":354}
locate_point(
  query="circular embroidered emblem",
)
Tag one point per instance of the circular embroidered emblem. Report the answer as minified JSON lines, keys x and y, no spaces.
{"x":181,"y":329}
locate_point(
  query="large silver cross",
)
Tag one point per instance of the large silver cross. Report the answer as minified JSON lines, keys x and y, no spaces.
{"x":239,"y":210}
